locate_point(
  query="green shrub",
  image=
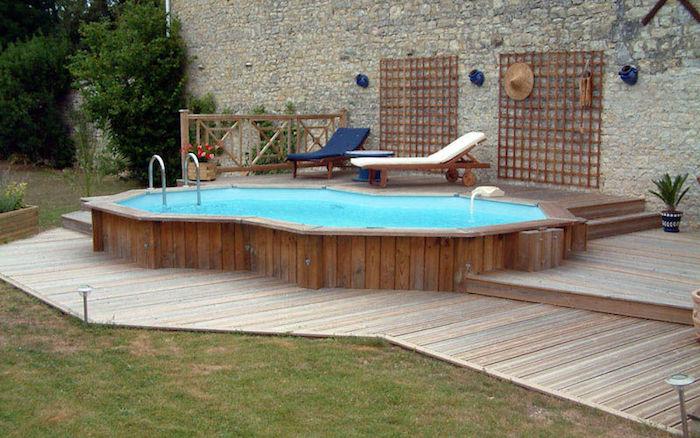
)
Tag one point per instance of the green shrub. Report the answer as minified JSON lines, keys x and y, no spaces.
{"x":94,"y":157}
{"x":33,"y":78}
{"x":11,"y":192}
{"x":132,"y":77}
{"x":201,"y":105}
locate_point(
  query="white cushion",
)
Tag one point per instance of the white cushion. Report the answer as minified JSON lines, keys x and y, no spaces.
{"x":449,"y":152}
{"x":457,"y":147}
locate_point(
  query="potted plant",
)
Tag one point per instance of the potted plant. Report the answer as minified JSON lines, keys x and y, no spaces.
{"x":207,"y":166}
{"x":16,"y":218}
{"x":671,"y":193}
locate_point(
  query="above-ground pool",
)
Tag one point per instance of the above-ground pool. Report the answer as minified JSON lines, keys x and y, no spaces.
{"x":335,"y":208}
{"x":329,"y":238}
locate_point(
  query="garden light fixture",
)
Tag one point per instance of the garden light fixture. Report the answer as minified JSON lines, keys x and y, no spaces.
{"x":680,"y":382}
{"x":84,"y":290}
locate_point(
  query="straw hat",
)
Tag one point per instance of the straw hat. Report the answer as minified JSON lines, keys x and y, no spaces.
{"x":518,"y":81}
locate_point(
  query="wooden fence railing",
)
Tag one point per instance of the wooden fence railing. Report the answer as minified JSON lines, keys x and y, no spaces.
{"x":257,"y":142}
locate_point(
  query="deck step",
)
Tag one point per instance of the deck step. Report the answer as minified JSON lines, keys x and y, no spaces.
{"x":612,"y":226}
{"x":80,"y":221}
{"x":610,"y":208}
{"x":85,"y":203}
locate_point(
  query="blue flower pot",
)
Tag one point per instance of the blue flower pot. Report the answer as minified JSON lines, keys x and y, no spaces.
{"x":476,"y":77}
{"x":671,"y":220}
{"x":362,"y":80}
{"x":628,"y":74}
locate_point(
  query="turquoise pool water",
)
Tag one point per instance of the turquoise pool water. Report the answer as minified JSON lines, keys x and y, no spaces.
{"x":333,"y":208}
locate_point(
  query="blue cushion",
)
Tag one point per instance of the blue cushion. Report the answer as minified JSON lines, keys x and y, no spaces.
{"x":343,"y":140}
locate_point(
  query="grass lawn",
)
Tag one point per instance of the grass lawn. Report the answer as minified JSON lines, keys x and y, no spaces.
{"x":48,"y":189}
{"x":59,"y":377}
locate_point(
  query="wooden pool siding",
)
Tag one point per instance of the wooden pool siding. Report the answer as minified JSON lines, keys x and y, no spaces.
{"x":314,"y":258}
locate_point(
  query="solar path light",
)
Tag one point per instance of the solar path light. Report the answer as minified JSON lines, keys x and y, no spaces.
{"x":680,"y":382}
{"x":84,"y":290}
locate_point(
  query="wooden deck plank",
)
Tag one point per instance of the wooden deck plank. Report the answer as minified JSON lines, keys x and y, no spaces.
{"x":561,"y":377}
{"x":367,"y":322}
{"x":384,"y":304}
{"x":536,"y":336}
{"x":426,"y":313}
{"x":660,"y":403}
{"x":484,"y":319}
{"x":619,"y":382}
{"x":583,"y":325}
{"x":573,"y":351}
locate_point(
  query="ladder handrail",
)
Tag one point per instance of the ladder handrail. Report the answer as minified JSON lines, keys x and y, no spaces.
{"x":196,"y":165}
{"x":162,"y":175}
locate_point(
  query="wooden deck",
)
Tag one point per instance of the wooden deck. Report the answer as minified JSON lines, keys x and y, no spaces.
{"x":423,"y":184}
{"x":648,"y":274}
{"x":611,"y":362}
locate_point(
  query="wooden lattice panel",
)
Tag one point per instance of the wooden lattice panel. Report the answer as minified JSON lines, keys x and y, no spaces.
{"x":550,"y":136}
{"x":417,"y":104}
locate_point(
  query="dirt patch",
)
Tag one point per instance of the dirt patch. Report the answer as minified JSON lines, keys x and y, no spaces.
{"x":197,"y":393}
{"x":57,"y":415}
{"x":539,"y":415}
{"x":205,"y":368}
{"x":221,"y":349}
{"x":143,"y":345}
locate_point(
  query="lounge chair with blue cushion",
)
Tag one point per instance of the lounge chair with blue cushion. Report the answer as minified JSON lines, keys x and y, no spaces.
{"x":343,"y":140}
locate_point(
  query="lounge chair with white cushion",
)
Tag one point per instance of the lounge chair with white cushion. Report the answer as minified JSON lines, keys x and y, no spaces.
{"x":455,"y":155}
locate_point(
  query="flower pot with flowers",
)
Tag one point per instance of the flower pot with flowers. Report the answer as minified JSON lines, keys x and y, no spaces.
{"x":671,"y":193}
{"x":207,"y":165}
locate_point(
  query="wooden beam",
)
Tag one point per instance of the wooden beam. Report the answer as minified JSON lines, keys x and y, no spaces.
{"x":653,"y":12}
{"x":694,"y":12}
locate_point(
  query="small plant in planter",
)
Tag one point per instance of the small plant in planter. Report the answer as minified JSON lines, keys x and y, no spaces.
{"x":17,"y":219}
{"x":204,"y":153}
{"x":671,"y":193}
{"x":11,"y":193}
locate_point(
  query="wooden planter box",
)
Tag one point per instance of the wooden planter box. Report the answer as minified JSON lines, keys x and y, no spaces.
{"x":19,"y":223}
{"x":207,"y":171}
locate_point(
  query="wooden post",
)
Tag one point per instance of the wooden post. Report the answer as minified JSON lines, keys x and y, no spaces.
{"x":343,"y":118}
{"x":529,"y":250}
{"x":98,"y":242}
{"x":184,"y":138}
{"x":547,"y":240}
{"x":579,"y":238}
{"x":557,"y":246}
{"x":310,"y":266}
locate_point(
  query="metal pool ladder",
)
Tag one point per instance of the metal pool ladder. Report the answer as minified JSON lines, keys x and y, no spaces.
{"x":196,"y":165}
{"x":162,"y":175}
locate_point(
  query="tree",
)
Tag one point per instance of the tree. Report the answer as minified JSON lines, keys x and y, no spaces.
{"x":132,"y":77}
{"x":33,"y":78}
{"x":22,"y":19}
{"x":36,"y":37}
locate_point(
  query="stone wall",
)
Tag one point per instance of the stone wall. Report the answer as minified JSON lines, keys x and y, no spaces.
{"x":309,"y":52}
